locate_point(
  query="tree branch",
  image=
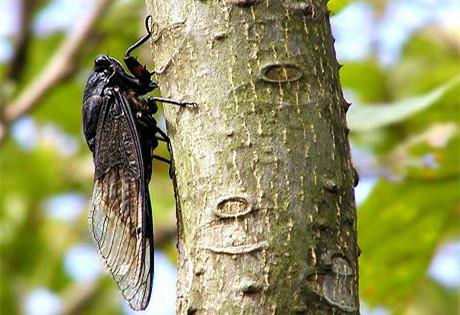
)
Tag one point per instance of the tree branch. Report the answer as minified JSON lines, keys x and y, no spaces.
{"x":61,"y":65}
{"x":22,"y":41}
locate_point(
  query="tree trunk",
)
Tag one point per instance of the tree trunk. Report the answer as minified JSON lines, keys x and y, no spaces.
{"x":263,"y":177}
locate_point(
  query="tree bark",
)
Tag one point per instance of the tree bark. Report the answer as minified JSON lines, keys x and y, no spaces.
{"x":263,"y":176}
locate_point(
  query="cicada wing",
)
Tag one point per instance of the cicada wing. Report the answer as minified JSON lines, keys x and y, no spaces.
{"x":120,"y":212}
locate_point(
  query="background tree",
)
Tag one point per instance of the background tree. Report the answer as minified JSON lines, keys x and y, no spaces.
{"x":400,"y":63}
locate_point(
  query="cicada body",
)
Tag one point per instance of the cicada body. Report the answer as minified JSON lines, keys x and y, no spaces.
{"x":122,"y":133}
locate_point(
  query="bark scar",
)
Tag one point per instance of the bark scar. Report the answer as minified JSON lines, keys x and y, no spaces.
{"x":281,"y":73}
{"x":232,"y":207}
{"x":241,"y":249}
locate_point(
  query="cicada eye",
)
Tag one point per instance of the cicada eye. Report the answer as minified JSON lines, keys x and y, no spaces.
{"x":101,"y":63}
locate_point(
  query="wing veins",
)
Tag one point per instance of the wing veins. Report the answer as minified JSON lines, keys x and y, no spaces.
{"x":139,"y":245}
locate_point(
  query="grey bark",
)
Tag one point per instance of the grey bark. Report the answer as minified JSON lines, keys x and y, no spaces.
{"x":263,"y":177}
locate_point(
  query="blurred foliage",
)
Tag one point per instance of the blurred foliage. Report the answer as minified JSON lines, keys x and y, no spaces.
{"x":399,"y":230}
{"x":32,"y":243}
{"x":412,"y":210}
{"x":416,"y":207}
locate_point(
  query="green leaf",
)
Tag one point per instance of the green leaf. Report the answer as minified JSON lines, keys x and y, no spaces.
{"x":427,"y":61}
{"x":336,"y":5}
{"x":365,"y":78}
{"x":399,"y":227}
{"x":364,"y":118}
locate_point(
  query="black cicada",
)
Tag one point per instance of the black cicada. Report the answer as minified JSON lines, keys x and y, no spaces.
{"x":122,"y":134}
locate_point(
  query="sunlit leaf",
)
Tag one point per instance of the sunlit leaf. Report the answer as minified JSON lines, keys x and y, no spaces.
{"x":336,"y":5}
{"x":364,"y":118}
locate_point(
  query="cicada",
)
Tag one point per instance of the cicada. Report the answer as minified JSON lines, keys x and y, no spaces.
{"x":122,"y":133}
